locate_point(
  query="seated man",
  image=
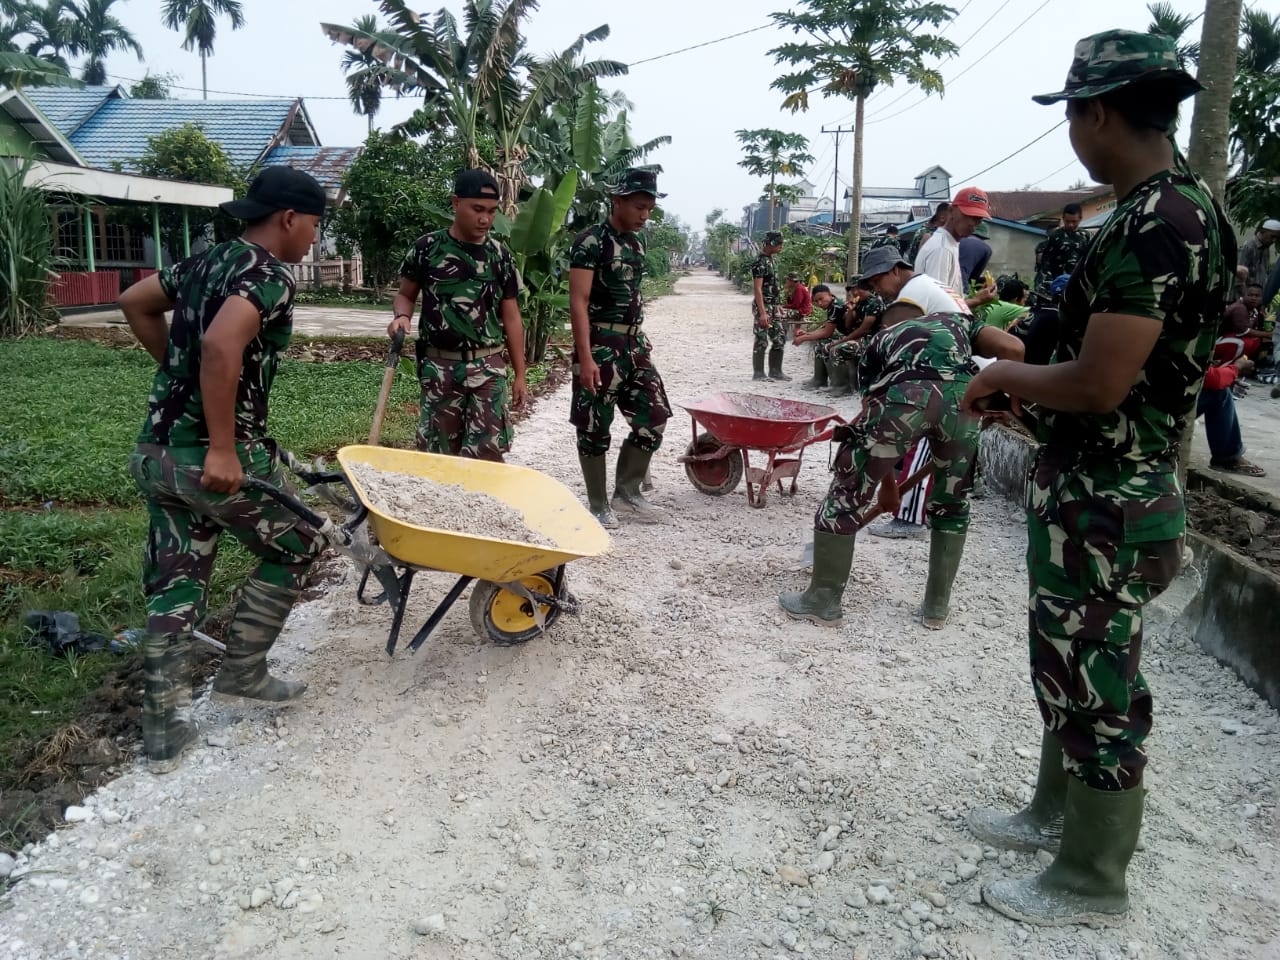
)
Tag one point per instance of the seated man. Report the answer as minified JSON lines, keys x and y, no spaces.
{"x":1217,"y":404}
{"x":821,"y":336}
{"x":797,"y":303}
{"x":1244,"y":320}
{"x":1009,"y":306}
{"x":865,"y":311}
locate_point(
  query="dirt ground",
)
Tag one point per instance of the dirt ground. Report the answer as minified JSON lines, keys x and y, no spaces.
{"x":679,"y":771}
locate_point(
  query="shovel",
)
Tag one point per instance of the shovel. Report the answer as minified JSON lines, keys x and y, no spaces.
{"x":388,"y":377}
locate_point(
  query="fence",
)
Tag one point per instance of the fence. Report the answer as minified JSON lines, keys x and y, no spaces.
{"x":315,"y":274}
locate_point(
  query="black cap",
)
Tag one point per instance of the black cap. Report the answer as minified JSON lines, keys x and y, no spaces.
{"x":476,"y":185}
{"x":773,"y":238}
{"x":278,"y":188}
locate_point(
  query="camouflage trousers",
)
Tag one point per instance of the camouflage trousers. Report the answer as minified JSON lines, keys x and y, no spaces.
{"x":883,"y":434}
{"x":465,"y":407}
{"x":187,"y":520}
{"x":1097,"y":550}
{"x":771,"y":337}
{"x":628,"y":382}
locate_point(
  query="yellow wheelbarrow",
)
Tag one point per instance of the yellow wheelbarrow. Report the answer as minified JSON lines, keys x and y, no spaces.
{"x":521,"y":588}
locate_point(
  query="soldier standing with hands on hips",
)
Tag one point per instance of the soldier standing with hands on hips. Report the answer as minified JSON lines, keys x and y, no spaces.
{"x":1105,"y":511}
{"x":614,"y":366}
{"x":470,"y":318}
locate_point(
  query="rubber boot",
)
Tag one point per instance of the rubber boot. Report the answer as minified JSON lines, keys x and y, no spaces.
{"x":627,"y":498}
{"x":1085,"y":883}
{"x":1039,"y":826}
{"x":775,"y":365}
{"x":819,"y":378}
{"x":832,"y":560}
{"x":243,"y":679}
{"x":757,"y":364}
{"x":593,"y":472}
{"x":838,"y":376}
{"x":167,"y":727}
{"x":945,"y":550}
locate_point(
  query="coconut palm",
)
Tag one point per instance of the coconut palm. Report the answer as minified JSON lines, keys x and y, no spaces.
{"x":1168,"y":21}
{"x":770,"y":153}
{"x":197,"y":20}
{"x":51,"y":29}
{"x":365,"y":84}
{"x":96,"y":32}
{"x":1259,"y":42}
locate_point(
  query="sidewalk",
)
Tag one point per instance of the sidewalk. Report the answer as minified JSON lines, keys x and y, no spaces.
{"x":1260,"y":426}
{"x":307,"y":321}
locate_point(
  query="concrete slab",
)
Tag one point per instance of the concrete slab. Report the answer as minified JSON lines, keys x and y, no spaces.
{"x":307,"y":321}
{"x":1260,"y":427}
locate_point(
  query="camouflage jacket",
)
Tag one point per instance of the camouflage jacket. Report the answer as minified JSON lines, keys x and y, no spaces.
{"x":886,"y":242}
{"x":1059,"y":252}
{"x":1163,"y":254}
{"x":764,"y":267}
{"x":616,"y":261}
{"x":936,"y":347}
{"x":919,"y":240}
{"x":199,"y":286}
{"x":869,"y":305}
{"x":463,"y":286}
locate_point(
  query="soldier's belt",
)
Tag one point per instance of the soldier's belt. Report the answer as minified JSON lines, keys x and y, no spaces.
{"x":466,"y":356}
{"x":628,"y":328}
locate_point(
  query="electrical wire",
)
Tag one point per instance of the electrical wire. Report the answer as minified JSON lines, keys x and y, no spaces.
{"x":1037,"y":183}
{"x":974,"y":176}
{"x":942,"y":32}
{"x":698,"y":46}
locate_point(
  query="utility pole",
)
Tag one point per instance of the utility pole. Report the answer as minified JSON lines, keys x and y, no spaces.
{"x":835,"y":177}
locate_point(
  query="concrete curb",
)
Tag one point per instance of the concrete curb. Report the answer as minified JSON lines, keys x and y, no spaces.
{"x":1226,"y":601}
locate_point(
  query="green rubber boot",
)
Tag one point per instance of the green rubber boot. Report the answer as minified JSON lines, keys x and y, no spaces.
{"x":168,"y":730}
{"x":243,"y":679}
{"x":627,"y":498}
{"x":757,"y":364}
{"x":838,"y":377}
{"x":1039,"y":826}
{"x":775,"y":365}
{"x":593,"y":472}
{"x":832,"y":560}
{"x":945,"y":550}
{"x":819,"y":378}
{"x":1085,"y":883}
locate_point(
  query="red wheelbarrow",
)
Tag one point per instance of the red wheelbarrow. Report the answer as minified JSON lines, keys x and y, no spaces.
{"x":736,"y":423}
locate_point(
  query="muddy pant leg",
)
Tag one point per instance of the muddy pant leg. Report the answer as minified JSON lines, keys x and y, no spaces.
{"x":442,"y":414}
{"x":871,"y":446}
{"x":487,"y":431}
{"x":954,"y":446}
{"x":642,"y":398}
{"x":592,"y":412}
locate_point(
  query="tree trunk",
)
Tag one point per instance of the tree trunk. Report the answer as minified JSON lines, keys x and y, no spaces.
{"x":1210,"y":120}
{"x":204,"y":74}
{"x":772,"y":178}
{"x":855,"y":213}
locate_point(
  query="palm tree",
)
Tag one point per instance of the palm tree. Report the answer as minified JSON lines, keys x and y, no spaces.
{"x":364,"y":86}
{"x":96,"y":32}
{"x":21,"y":69}
{"x":52,"y":31}
{"x":198,"y":21}
{"x":480,"y":82}
{"x":1211,"y":116}
{"x":1260,"y":42}
{"x":773,"y":152}
{"x":851,"y":50}
{"x":1172,"y":24}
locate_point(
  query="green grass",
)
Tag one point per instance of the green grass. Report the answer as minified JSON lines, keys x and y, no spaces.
{"x":73,"y":527}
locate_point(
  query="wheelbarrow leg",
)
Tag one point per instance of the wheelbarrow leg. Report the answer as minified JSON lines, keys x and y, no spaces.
{"x":398,"y":618}
{"x":434,"y":620}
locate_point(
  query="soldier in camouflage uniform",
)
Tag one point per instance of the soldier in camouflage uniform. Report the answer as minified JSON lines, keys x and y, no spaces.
{"x":890,"y":239}
{"x":469,"y":330}
{"x":770,"y":332}
{"x":614,"y":368}
{"x":1059,"y":252}
{"x":839,"y":342}
{"x":206,"y":430}
{"x":924,"y":233}
{"x":1105,"y":512}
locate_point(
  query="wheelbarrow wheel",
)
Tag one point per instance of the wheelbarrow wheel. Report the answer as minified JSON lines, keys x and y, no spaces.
{"x":718,"y":477}
{"x":507,"y":618}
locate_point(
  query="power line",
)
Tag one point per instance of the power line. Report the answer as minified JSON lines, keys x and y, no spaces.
{"x":698,"y":46}
{"x":1037,"y":183}
{"x":974,"y":176}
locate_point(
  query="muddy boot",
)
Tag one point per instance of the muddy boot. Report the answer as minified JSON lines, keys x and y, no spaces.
{"x":167,"y":727}
{"x":1039,"y":826}
{"x":757,"y":364}
{"x":1085,"y":883}
{"x":593,"y":472}
{"x":627,"y":498}
{"x":775,"y":365}
{"x":838,"y":375}
{"x":832,"y":560}
{"x":819,"y":378}
{"x":945,"y":550}
{"x":243,"y":679}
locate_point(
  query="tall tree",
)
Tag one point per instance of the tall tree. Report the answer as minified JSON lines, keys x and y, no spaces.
{"x":850,"y":50}
{"x":771,"y":153}
{"x":1166,"y":20}
{"x":365,"y":73}
{"x":1260,"y":41}
{"x":197,"y":20}
{"x":1211,"y":117}
{"x":97,"y":32}
{"x":51,"y":28}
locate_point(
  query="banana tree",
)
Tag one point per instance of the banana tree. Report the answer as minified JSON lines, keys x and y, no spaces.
{"x":539,"y":239}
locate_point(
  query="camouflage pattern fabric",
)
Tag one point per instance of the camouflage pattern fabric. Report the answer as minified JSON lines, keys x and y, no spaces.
{"x":186,"y":521}
{"x":774,"y":336}
{"x":1112,"y":59}
{"x":628,"y":382}
{"x":616,"y":261}
{"x":463,"y":286}
{"x":764,"y":268}
{"x":936,"y":347}
{"x":919,"y":240}
{"x":1059,"y":253}
{"x":199,"y":286}
{"x":883,"y":434}
{"x":1105,"y":510}
{"x":465,"y":408}
{"x":885,"y":241}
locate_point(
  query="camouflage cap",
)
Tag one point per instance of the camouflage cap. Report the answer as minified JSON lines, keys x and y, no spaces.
{"x":773,"y":238}
{"x":1116,"y":58}
{"x":637,"y":180}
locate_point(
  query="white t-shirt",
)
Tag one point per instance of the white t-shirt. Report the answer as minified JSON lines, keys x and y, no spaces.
{"x":940,"y":259}
{"x":931,"y":296}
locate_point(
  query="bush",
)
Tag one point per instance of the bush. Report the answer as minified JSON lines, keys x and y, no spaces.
{"x":26,"y":253}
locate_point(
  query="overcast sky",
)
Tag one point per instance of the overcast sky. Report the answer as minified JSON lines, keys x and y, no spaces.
{"x":1010,"y":49}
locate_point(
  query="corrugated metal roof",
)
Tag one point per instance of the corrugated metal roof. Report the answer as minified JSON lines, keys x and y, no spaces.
{"x":327,"y":164}
{"x":66,"y":107}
